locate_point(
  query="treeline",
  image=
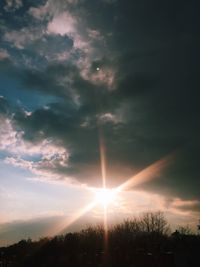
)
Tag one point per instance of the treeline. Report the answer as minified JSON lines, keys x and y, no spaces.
{"x":145,"y":241}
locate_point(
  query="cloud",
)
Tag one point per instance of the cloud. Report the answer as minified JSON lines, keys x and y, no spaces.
{"x":3,"y":54}
{"x":66,"y":24}
{"x":43,"y":158}
{"x":108,"y":118}
{"x":129,"y":128}
{"x":63,"y":34}
{"x":12,"y":5}
{"x":53,"y":48}
{"x":187,"y":206}
{"x":63,"y":24}
{"x":74,"y":26}
{"x":33,"y":228}
{"x":7,"y":134}
{"x":120,"y":67}
{"x":49,"y":8}
{"x":45,"y":223}
{"x":23,"y":37}
{"x":40,"y":12}
{"x":102,"y":76}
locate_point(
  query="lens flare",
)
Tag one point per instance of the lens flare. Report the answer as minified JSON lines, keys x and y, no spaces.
{"x":105,"y":196}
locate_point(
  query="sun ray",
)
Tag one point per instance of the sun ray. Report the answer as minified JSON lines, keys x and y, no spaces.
{"x":61,"y":226}
{"x":147,"y":174}
{"x":105,"y":196}
{"x":103,"y":160}
{"x":105,"y":193}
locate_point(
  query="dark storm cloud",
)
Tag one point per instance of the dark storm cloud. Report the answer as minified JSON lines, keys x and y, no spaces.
{"x":154,"y":49}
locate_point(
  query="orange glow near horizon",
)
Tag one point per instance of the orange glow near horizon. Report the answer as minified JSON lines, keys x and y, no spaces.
{"x":105,"y":196}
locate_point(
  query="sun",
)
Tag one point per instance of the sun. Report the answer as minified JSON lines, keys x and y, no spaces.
{"x":105,"y":196}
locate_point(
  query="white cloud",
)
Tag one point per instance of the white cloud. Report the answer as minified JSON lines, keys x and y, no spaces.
{"x":18,"y":162}
{"x":63,"y":24}
{"x":44,"y":170}
{"x":8,"y":136}
{"x":52,"y":158}
{"x":40,"y":12}
{"x":108,"y":117}
{"x":43,"y":158}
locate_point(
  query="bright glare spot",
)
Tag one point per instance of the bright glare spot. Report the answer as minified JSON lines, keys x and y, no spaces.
{"x":105,"y":196}
{"x":98,"y":68}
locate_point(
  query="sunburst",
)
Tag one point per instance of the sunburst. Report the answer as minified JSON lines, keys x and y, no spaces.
{"x":104,"y":196}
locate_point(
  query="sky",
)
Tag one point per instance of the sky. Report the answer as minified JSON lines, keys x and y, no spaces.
{"x":97,"y":88}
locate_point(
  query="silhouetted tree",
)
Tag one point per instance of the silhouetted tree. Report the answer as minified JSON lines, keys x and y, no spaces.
{"x":184,"y":230}
{"x":198,"y":226}
{"x":155,"y":222}
{"x":140,"y":242}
